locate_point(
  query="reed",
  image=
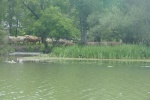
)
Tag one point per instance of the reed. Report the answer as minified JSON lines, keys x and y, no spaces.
{"x":125,"y":51}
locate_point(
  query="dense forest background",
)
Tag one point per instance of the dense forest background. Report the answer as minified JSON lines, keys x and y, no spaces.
{"x":127,"y":21}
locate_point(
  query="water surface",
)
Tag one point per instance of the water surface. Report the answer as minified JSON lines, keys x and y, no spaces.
{"x":75,"y":81}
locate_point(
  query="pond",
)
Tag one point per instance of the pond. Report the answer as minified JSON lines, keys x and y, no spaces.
{"x":75,"y":80}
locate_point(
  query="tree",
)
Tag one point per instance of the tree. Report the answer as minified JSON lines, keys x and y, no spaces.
{"x":104,"y":23}
{"x":127,"y":20}
{"x":53,"y":23}
{"x":2,"y":9}
{"x":49,"y":21}
{"x":83,"y":10}
{"x":138,"y":31}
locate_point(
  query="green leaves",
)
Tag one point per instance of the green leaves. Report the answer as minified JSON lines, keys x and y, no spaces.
{"x":121,"y":19}
{"x":55,"y":24}
{"x":128,"y":20}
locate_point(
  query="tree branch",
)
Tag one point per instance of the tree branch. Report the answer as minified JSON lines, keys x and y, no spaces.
{"x":36,"y":16}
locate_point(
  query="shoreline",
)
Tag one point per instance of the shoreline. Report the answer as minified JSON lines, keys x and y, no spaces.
{"x":47,"y":59}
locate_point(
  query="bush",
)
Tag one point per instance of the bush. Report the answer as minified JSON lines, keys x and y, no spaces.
{"x":3,"y":37}
{"x":4,"y":47}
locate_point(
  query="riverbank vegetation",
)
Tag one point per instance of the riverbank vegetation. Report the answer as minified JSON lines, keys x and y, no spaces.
{"x":4,"y":47}
{"x":81,"y":22}
{"x":103,"y":52}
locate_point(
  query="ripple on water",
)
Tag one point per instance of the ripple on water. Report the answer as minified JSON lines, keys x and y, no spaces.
{"x":2,"y":94}
{"x":110,"y":66}
{"x":145,"y":66}
{"x":78,"y":83}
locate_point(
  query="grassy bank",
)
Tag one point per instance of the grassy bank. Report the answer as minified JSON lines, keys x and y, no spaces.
{"x":103,"y":52}
{"x":4,"y":49}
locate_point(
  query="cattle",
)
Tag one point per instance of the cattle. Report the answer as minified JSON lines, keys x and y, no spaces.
{"x":111,"y":43}
{"x":104,"y":43}
{"x":65,"y":42}
{"x":93,"y":43}
{"x":32,"y":39}
{"x":12,"y":39}
{"x":60,"y":41}
{"x":49,"y":40}
{"x":16,"y":40}
{"x":21,"y":39}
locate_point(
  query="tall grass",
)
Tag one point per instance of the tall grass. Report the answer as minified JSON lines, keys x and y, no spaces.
{"x":103,"y":52}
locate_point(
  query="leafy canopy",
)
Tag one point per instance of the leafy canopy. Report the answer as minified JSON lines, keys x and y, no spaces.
{"x":53,"y":23}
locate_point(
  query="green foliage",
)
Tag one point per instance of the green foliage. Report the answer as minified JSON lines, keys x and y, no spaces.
{"x":2,"y":9}
{"x":106,"y":25}
{"x":4,"y":47}
{"x":103,"y":52}
{"x":99,"y":20}
{"x":55,"y":24}
{"x":84,"y":9}
{"x":34,"y":48}
{"x":3,"y":37}
{"x":121,"y":20}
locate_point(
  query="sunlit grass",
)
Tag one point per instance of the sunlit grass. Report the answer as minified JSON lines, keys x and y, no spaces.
{"x":103,"y":52}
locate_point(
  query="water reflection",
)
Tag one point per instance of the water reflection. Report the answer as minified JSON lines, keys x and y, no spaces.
{"x":17,"y":57}
{"x":75,"y":81}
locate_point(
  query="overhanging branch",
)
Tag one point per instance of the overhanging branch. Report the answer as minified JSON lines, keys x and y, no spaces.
{"x":36,"y":16}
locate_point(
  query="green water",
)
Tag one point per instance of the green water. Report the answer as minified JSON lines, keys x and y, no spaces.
{"x":75,"y":81}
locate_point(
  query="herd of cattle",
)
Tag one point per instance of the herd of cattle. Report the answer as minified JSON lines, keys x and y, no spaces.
{"x":23,"y":39}
{"x":34,"y":39}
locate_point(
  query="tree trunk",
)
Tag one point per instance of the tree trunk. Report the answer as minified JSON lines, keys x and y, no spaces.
{"x":44,"y":42}
{"x":10,"y":17}
{"x":43,"y":38}
{"x":84,"y":35}
{"x":83,"y":28}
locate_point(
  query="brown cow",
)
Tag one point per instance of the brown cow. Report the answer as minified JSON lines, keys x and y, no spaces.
{"x":32,"y":39}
